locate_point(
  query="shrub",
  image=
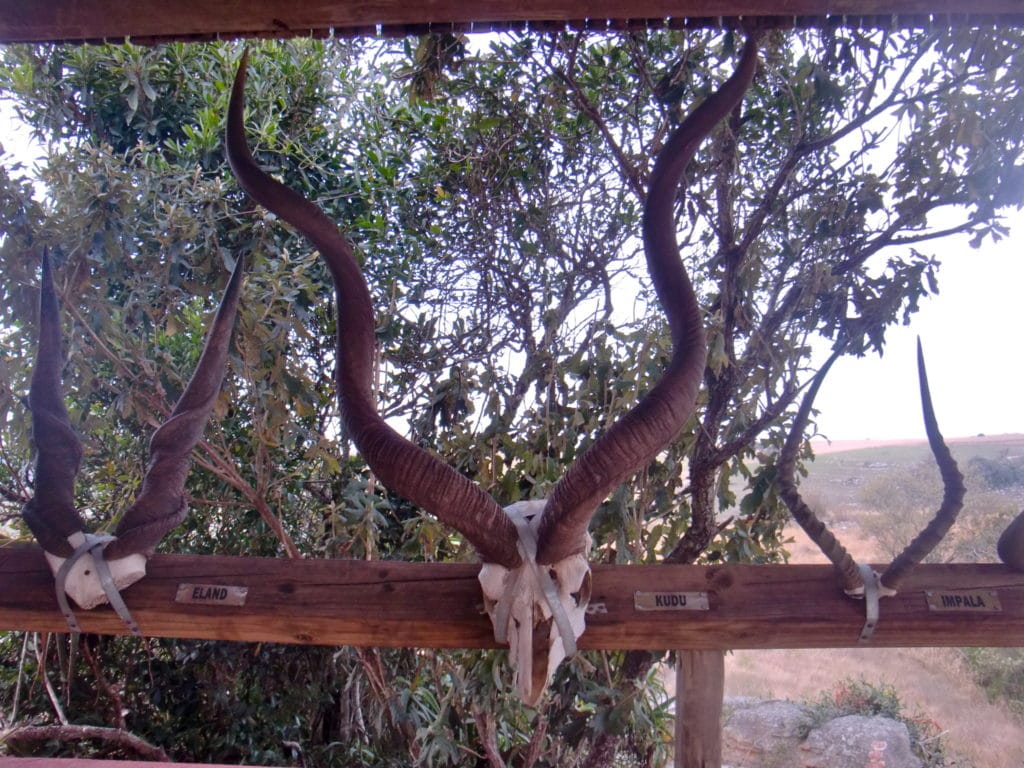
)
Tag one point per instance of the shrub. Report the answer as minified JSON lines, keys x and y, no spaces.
{"x":1000,"y":673}
{"x":860,"y":697}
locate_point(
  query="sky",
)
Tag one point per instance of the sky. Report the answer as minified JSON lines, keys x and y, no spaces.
{"x":970,"y":331}
{"x":971,"y":335}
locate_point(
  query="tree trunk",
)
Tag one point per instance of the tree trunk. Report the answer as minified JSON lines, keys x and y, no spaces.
{"x":700,"y":688}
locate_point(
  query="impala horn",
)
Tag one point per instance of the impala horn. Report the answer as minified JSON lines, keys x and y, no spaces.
{"x":851,"y":575}
{"x":1011,"y":544}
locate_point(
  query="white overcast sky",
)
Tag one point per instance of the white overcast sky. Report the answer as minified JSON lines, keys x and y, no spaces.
{"x":971,"y":334}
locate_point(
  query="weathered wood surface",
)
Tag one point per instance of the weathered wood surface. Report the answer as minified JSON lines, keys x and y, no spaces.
{"x":700,"y":688}
{"x":152,"y":20}
{"x":398,"y":604}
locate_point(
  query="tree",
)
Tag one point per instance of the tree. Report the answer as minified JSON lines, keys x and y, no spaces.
{"x":494,"y":194}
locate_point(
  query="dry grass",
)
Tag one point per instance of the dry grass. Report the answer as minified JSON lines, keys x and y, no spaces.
{"x":932,"y":682}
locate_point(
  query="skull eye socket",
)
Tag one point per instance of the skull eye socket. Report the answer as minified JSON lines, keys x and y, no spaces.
{"x":583,"y":594}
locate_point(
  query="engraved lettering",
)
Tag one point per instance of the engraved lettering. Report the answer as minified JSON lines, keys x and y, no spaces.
{"x":982,"y":601}
{"x":211,"y":593}
{"x":670,"y":601}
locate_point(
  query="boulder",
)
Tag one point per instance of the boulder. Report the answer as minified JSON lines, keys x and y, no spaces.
{"x":858,"y":741}
{"x":784,"y":734}
{"x":764,"y":734}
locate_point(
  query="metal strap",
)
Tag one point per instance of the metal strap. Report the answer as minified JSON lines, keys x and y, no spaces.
{"x":93,"y":544}
{"x":872,"y":593}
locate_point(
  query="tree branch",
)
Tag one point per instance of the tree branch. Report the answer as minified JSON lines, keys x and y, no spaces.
{"x":69,"y":732}
{"x":630,"y":172}
{"x":215,"y":461}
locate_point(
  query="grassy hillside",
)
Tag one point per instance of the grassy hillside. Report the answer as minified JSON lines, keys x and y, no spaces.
{"x":841,"y":471}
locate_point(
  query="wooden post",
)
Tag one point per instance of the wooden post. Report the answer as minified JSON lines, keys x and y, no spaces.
{"x":700,"y":689}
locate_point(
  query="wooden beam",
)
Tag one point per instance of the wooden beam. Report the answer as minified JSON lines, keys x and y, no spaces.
{"x":438,"y":605}
{"x":161,"y":20}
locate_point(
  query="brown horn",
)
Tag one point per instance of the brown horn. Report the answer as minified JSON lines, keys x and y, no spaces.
{"x":923,"y":543}
{"x":160,"y":503}
{"x":51,"y":513}
{"x":659,"y":417}
{"x":847,"y":570}
{"x":403,"y":467}
{"x":952,"y":495}
{"x":1011,"y":544}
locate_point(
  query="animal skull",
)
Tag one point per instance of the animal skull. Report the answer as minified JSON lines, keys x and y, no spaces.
{"x":540,"y":611}
{"x":82,"y":581}
{"x":535,"y":577}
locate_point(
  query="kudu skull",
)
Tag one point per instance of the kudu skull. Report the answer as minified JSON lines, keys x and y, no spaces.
{"x":535,"y":575}
{"x":92,"y":569}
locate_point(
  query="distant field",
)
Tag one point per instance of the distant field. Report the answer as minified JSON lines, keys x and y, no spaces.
{"x":841,"y":469}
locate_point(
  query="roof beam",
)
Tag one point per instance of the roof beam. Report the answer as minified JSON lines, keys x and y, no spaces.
{"x":148,"y":21}
{"x":439,"y":605}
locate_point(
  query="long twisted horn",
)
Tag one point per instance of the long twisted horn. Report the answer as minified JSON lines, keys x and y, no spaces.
{"x":659,"y":417}
{"x":50,"y":513}
{"x":403,"y":467}
{"x":160,"y":503}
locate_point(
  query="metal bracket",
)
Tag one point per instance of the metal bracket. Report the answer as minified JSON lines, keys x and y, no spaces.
{"x":872,"y":596}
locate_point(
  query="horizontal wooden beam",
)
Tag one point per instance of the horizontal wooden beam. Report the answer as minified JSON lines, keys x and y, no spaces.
{"x":161,"y":20}
{"x":438,"y":605}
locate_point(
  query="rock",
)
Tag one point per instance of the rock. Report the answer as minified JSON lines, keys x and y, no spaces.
{"x":784,"y":734}
{"x":857,"y":741}
{"x":764,"y":734}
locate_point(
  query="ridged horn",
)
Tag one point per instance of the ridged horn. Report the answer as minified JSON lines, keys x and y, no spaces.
{"x":846,"y":568}
{"x":922,"y":544}
{"x":403,"y":467}
{"x":50,"y":513}
{"x":160,"y":503}
{"x":1011,"y":544}
{"x":952,"y":493}
{"x":636,"y":438}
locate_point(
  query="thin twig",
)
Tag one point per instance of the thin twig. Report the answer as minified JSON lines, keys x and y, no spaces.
{"x":488,"y":736}
{"x":21,"y":678}
{"x":117,"y":705}
{"x":50,"y":692}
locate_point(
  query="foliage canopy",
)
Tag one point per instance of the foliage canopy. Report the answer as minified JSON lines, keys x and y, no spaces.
{"x":493,"y":190}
